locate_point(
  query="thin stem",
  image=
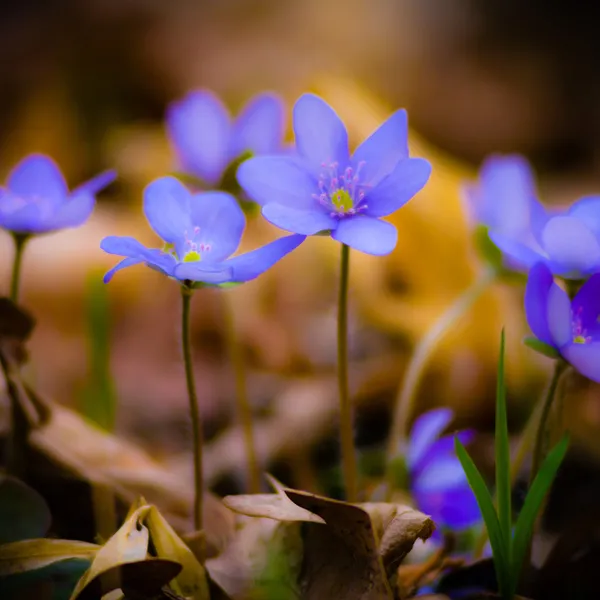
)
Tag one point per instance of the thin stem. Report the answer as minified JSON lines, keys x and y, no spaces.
{"x":421,"y":355}
{"x":346,"y":419}
{"x":20,"y":241}
{"x":186,"y":295}
{"x":241,"y":394}
{"x":540,"y":436}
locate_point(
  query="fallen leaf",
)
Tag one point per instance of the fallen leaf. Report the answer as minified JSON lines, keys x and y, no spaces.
{"x":191,"y":581}
{"x":28,"y":555}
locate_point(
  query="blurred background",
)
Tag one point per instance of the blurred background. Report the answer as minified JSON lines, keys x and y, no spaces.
{"x":88,"y":83}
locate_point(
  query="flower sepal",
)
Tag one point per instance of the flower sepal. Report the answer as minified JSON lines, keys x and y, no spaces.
{"x":541,"y":347}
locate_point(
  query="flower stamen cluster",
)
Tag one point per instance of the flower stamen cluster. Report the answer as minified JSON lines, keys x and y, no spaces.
{"x":341,"y":195}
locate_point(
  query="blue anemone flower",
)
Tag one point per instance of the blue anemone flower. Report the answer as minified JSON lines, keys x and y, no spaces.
{"x":36,"y":198}
{"x":323,"y":188}
{"x":437,"y":480}
{"x":567,"y":241}
{"x":571,"y":327}
{"x":503,"y":197}
{"x":200,"y":232}
{"x":207,"y":140}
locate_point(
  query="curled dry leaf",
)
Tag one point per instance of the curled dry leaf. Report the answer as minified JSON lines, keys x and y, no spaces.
{"x":341,"y":555}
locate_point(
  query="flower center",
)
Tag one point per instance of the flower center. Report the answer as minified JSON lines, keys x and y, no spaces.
{"x":193,"y":247}
{"x":579,"y":331}
{"x":342,"y":195}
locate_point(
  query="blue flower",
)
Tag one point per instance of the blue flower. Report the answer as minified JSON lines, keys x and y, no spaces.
{"x":566,"y":241}
{"x":438,"y":482}
{"x":324,"y":189}
{"x":504,"y":197}
{"x":36,"y":198}
{"x":200,"y":232}
{"x":207,"y":141}
{"x":571,"y":327}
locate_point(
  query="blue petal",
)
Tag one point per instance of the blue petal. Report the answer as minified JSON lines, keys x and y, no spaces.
{"x":278,"y":179}
{"x":38,"y":176}
{"x":126,"y":262}
{"x":559,"y":316}
{"x":366,"y":234}
{"x":539,"y":283}
{"x":304,"y":222}
{"x":571,"y":244}
{"x":506,"y":189}
{"x":212,"y":274}
{"x":260,"y":126}
{"x":74,"y":212}
{"x":252,"y":264}
{"x":442,"y":448}
{"x":98,"y":183}
{"x":425,"y":431}
{"x":585,"y":358}
{"x":27,"y":219}
{"x":454,"y":508}
{"x":398,"y":188}
{"x":221,"y":222}
{"x":383,"y":150}
{"x":200,"y":129}
{"x":517,"y":255}
{"x":130,"y":248}
{"x":320,"y":134}
{"x":586,"y":306}
{"x":443,"y":473}
{"x":587,"y":210}
{"x":167,"y":208}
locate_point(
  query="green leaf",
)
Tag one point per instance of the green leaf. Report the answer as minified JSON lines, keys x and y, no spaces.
{"x":533,"y":503}
{"x":23,"y":512}
{"x":541,"y":347}
{"x":486,"y":248}
{"x":503,"y":486}
{"x":486,"y":505}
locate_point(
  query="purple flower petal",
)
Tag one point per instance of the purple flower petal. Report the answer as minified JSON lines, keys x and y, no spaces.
{"x":27,"y":219}
{"x":425,"y":431}
{"x":539,"y":283}
{"x":252,"y":264}
{"x":585,"y":358}
{"x":200,"y":129}
{"x":259,"y":127}
{"x":130,"y":248}
{"x":321,"y":137}
{"x":366,"y":234}
{"x":304,"y":222}
{"x":278,"y":180}
{"x":38,"y":176}
{"x":398,"y":188}
{"x":454,"y":508}
{"x":383,"y":150}
{"x":167,"y":208}
{"x":221,"y":223}
{"x":212,"y":274}
{"x":440,"y":474}
{"x":516,"y":254}
{"x":126,"y":262}
{"x":586,"y":306}
{"x":568,"y":241}
{"x":442,"y":447}
{"x":559,"y":316}
{"x":98,"y":183}
{"x":74,"y":212}
{"x":587,"y":210}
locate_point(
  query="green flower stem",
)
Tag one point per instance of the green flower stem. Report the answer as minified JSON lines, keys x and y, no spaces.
{"x":241,"y":395}
{"x":186,"y":295}
{"x":20,"y":241}
{"x":346,"y":419}
{"x":539,"y":448}
{"x":420,"y":358}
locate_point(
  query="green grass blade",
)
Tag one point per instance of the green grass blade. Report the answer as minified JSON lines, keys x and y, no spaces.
{"x":99,"y":396}
{"x":503,"y":486}
{"x":486,"y":505}
{"x":533,"y":503}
